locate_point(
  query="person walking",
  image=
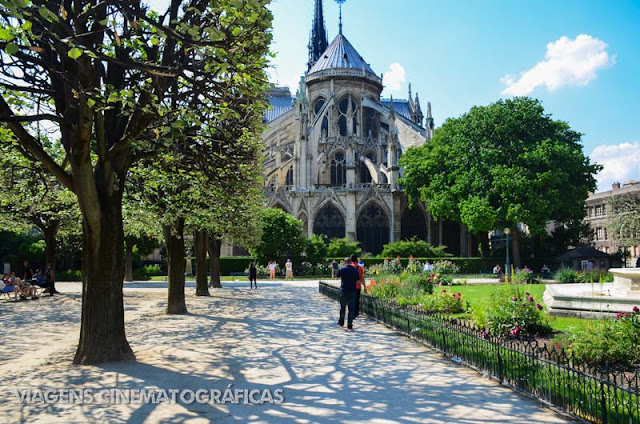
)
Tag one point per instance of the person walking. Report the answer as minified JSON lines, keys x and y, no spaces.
{"x":272,"y":270}
{"x":359,"y":284}
{"x":253,"y":275}
{"x":288,"y":266}
{"x":49,"y":280}
{"x":334,"y":269}
{"x":348,"y":278}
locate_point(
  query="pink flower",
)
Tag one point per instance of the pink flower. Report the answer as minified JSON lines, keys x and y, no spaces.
{"x":636,"y":309}
{"x":526,"y":293}
{"x":444,"y":291}
{"x":530,"y":298}
{"x":515,"y":298}
{"x":539,"y":306}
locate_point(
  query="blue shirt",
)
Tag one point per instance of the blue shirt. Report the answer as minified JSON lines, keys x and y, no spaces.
{"x":349,"y":276}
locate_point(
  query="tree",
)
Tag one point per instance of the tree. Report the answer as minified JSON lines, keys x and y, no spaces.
{"x":109,"y":75}
{"x":33,"y":197}
{"x":141,"y":228}
{"x":317,"y":247}
{"x":342,"y":247}
{"x":500,"y":165}
{"x":281,"y":236}
{"x":624,"y":219}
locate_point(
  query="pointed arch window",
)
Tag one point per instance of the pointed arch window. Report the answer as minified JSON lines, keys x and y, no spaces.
{"x":348,"y":116}
{"x":365,"y":175}
{"x":288,"y":181}
{"x":338,"y":170}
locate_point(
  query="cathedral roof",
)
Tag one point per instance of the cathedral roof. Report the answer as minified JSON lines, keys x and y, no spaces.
{"x":281,"y":102}
{"x":400,"y":107}
{"x":340,"y":55}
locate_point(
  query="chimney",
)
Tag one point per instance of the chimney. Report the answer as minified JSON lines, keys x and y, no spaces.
{"x":615,"y":186}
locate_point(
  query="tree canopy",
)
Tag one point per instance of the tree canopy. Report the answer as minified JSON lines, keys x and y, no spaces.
{"x":624,"y":219}
{"x":281,"y":236}
{"x":500,"y":165}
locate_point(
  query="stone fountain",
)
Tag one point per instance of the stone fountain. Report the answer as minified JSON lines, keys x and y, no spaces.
{"x":595,"y":300}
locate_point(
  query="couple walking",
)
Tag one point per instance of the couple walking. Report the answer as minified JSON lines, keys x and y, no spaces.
{"x":351,"y":282}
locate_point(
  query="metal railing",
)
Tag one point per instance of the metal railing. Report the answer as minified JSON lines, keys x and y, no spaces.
{"x":550,"y":375}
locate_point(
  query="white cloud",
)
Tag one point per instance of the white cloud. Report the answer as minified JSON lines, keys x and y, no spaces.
{"x":567,"y":62}
{"x":621,"y":163}
{"x":395,"y":77}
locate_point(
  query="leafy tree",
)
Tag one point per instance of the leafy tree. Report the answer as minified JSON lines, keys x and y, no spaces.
{"x":342,"y":247}
{"x":414,"y":247}
{"x":33,"y":197}
{"x":624,"y":219}
{"x":141,"y":230}
{"x":317,"y":247}
{"x":500,"y":165}
{"x":109,"y":75}
{"x":281,"y":236}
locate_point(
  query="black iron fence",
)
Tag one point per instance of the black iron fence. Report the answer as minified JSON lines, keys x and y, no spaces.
{"x":548,"y":374}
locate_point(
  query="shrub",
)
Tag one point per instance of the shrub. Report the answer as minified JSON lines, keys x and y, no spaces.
{"x":69,"y":275}
{"x":513,"y":313}
{"x":524,"y":277}
{"x":449,"y":303}
{"x":152,"y":270}
{"x":413,"y":247}
{"x":342,"y":247}
{"x":566,"y":276}
{"x":317,"y":248}
{"x":609,"y":342}
{"x":445,"y":267}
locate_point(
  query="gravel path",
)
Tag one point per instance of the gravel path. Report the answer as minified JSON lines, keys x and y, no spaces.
{"x":281,"y":336}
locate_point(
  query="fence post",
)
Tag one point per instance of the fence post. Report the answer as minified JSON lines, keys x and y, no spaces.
{"x":603,"y":402}
{"x":500,"y":378}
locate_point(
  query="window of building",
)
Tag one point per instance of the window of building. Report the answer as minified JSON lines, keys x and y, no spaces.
{"x":348,"y":110}
{"x":289,"y":178}
{"x":598,"y":210}
{"x":338,"y":170}
{"x":329,"y":222}
{"x":319,"y":104}
{"x":600,"y":234}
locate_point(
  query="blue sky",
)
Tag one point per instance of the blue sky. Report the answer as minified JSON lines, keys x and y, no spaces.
{"x":581,"y":58}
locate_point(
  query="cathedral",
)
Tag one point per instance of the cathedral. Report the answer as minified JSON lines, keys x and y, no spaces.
{"x":332,"y":151}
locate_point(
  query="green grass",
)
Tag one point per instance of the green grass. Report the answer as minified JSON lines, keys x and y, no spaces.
{"x":480,"y":296}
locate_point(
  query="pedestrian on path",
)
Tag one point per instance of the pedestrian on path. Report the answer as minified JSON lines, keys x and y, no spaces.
{"x":272,"y":270}
{"x":253,"y":275}
{"x":359,"y":284}
{"x":349,"y":276}
{"x":288,"y":266}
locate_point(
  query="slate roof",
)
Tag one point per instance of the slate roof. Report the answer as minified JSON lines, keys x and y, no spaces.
{"x":281,"y":102}
{"x":584,"y":252}
{"x":401,"y":107}
{"x":340,"y":55}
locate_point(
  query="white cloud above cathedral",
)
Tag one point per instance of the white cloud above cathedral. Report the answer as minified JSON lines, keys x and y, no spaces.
{"x":568,"y":62}
{"x":621,"y":163}
{"x":395,"y":78}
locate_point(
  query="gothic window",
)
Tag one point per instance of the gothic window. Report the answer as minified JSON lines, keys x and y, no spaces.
{"x":318,"y":105}
{"x":329,"y":221}
{"x":348,"y":109}
{"x":414,"y":224}
{"x":338,"y":170}
{"x":370,"y":123}
{"x":373,"y":229}
{"x":325,"y":127}
{"x":288,"y":181}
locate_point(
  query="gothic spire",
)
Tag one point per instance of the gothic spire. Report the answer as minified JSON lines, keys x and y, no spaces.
{"x":318,"y":41}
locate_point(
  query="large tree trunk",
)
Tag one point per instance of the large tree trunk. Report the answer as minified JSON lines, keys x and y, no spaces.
{"x":215,"y":245}
{"x":200,"y":240}
{"x":50,"y":235}
{"x":484,"y":244}
{"x":128,"y":259}
{"x":174,"y":239}
{"x":102,"y":331}
{"x":516,"y":247}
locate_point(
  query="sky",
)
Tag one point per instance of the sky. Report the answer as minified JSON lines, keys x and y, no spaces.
{"x":581,"y":58}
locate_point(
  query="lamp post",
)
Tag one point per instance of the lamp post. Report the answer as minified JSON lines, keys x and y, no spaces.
{"x":507,"y":271}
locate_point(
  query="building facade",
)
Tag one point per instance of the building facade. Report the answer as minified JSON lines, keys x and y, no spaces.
{"x":597,"y":217}
{"x":332,"y":151}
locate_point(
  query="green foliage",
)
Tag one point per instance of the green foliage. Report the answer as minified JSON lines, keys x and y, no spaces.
{"x":503,"y":163}
{"x":281,"y":236}
{"x":317,"y":247}
{"x":624,"y":219}
{"x":445,"y":267}
{"x":609,"y":343}
{"x":513,"y":312}
{"x":342,"y":247}
{"x":566,"y":276}
{"x":524,"y":277}
{"x":445,"y":302}
{"x":415,"y":248}
{"x":69,"y":275}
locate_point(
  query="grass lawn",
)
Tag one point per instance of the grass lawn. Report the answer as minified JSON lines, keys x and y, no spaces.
{"x":480,"y":296}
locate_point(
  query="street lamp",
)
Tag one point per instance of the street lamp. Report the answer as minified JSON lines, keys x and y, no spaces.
{"x":507,"y":231}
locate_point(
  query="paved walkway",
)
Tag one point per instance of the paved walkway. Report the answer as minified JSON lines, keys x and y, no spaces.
{"x":278,"y":337}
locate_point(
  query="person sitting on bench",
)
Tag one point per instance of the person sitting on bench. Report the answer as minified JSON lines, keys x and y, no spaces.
{"x":6,"y":286}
